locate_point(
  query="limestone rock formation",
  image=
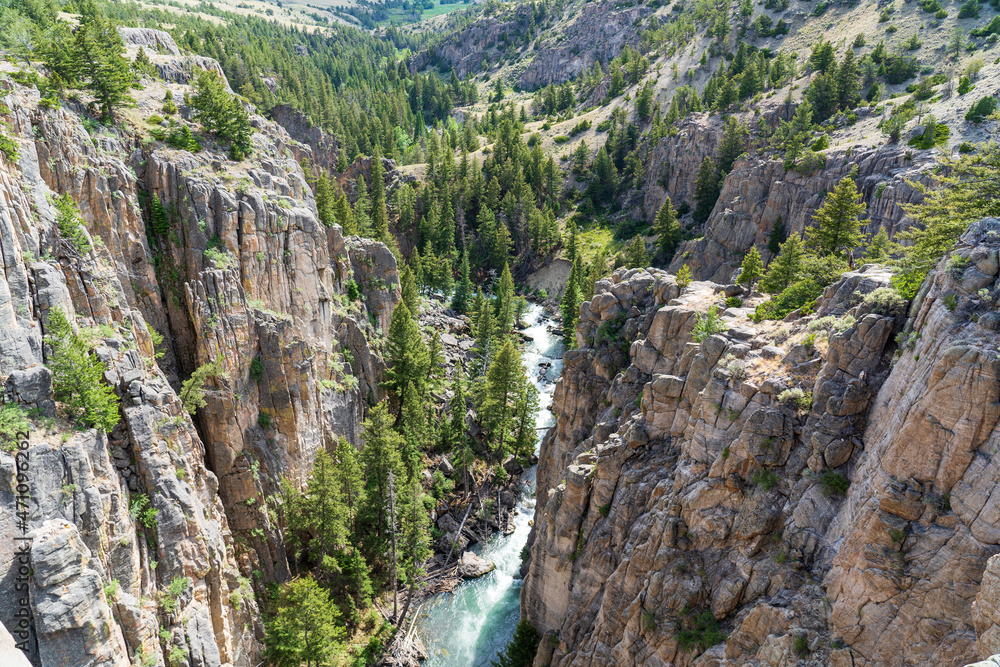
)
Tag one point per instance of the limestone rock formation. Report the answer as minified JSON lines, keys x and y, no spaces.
{"x":755,"y":497}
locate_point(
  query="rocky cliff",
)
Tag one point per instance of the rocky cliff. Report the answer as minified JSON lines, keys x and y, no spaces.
{"x":245,"y":276}
{"x":818,"y":489}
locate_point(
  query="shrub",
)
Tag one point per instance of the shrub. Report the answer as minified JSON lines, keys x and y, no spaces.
{"x":992,"y":28}
{"x":78,"y":376}
{"x":353,"y":293}
{"x":822,"y":143}
{"x":9,"y":148}
{"x":154,"y":119}
{"x":801,"y":645}
{"x":264,"y":420}
{"x":734,"y":302}
{"x":142,"y":511}
{"x":708,"y":324}
{"x":71,"y":224}
{"x":981,"y":109}
{"x":796,"y":397}
{"x":700,"y":633}
{"x":257,"y":369}
{"x":192,"y":394}
{"x":12,"y":424}
{"x":182,"y":138}
{"x":885,"y":301}
{"x":950,"y":302}
{"x":683,"y":276}
{"x":560,"y":139}
{"x":582,"y":126}
{"x":833,"y":483}
{"x":220,"y":259}
{"x":969,"y":10}
{"x":520,"y":652}
{"x":766,"y":479}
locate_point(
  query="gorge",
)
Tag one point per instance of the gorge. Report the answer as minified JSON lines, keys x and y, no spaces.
{"x":683,"y":315}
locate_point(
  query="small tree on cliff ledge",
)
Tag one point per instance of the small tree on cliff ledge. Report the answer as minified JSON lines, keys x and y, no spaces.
{"x":838,"y":230}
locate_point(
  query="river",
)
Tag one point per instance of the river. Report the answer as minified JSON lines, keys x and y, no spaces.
{"x":468,"y":627}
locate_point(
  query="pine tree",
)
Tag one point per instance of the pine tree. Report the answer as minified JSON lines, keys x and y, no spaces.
{"x":569,"y":308}
{"x":222,"y":113}
{"x":706,"y":190}
{"x":344,"y":216}
{"x":380,"y":456}
{"x":684,"y":276}
{"x":752,"y":268}
{"x":306,"y":627}
{"x":323,"y":508}
{"x":505,"y":380}
{"x":406,"y":354}
{"x":838,"y":229}
{"x":413,"y":426}
{"x":878,"y":247}
{"x":160,"y":220}
{"x":526,"y":433}
{"x":351,"y":480}
{"x":463,"y":290}
{"x":379,"y":214}
{"x":636,"y":256}
{"x":734,"y":138}
{"x":324,"y":201}
{"x":667,"y":230}
{"x":785,"y":268}
{"x":505,"y":302}
{"x":408,"y":288}
{"x":78,"y":376}
{"x":520,"y":652}
{"x":604,"y":182}
{"x":777,"y":237}
{"x":99,"y":59}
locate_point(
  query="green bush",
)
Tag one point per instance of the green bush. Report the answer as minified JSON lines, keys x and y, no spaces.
{"x":885,"y":301}
{"x":708,"y":324}
{"x":12,"y":423}
{"x":992,"y":28}
{"x":981,"y":109}
{"x":520,"y":652}
{"x":766,"y":479}
{"x":264,"y":420}
{"x":582,"y":126}
{"x":78,"y":377}
{"x":257,"y":369}
{"x":70,"y":224}
{"x":560,"y":139}
{"x":833,"y":483}
{"x":734,"y":302}
{"x":353,"y":293}
{"x":699,"y":633}
{"x":9,"y":148}
{"x":142,"y":511}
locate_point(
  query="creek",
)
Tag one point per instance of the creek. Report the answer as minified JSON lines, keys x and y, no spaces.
{"x":468,"y":627}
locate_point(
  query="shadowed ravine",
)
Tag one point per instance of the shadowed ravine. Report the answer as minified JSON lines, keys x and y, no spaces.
{"x":468,"y":627}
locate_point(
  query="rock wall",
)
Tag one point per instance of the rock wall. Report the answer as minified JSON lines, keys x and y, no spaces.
{"x":246,"y":276}
{"x":819,"y":498}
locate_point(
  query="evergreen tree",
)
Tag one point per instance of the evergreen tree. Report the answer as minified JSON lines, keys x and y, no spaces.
{"x":569,"y":307}
{"x":526,"y":433}
{"x":636,"y":256}
{"x":78,"y":376}
{"x":734,"y":139}
{"x":306,"y":627}
{"x":752,"y":268}
{"x":99,"y":59}
{"x":505,"y":380}
{"x":706,"y":190}
{"x":520,"y":652}
{"x":848,"y":81}
{"x":684,"y":276}
{"x":351,"y":479}
{"x":667,"y":230}
{"x":505,"y":302}
{"x":785,"y":268}
{"x":838,"y":229}
{"x":160,"y":220}
{"x":406,"y":354}
{"x":463,"y":290}
{"x":413,"y":425}
{"x":379,"y":214}
{"x":878,"y":247}
{"x":344,"y":216}
{"x":380,"y":456}
{"x":777,"y":237}
{"x":322,"y":508}
{"x":604,"y":182}
{"x":408,"y":288}
{"x":222,"y":113}
{"x":324,"y":201}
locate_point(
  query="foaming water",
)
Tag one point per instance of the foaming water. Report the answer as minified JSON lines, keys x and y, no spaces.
{"x":471,"y":625}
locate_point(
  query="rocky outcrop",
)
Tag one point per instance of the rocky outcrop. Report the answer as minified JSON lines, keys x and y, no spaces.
{"x":324,"y":149}
{"x":776,"y":490}
{"x":759,"y":192}
{"x":598,"y":33}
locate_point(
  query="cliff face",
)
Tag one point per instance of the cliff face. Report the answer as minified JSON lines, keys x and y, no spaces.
{"x":246,"y":272}
{"x":815,"y":498}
